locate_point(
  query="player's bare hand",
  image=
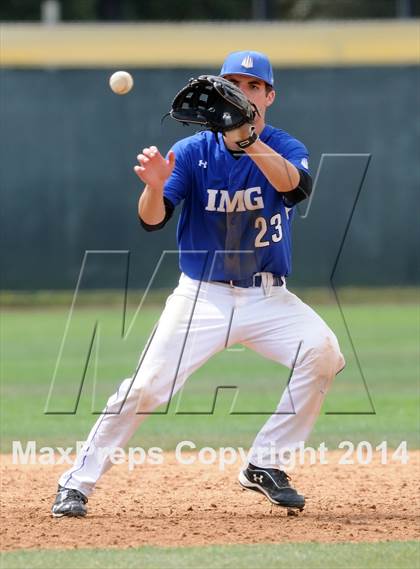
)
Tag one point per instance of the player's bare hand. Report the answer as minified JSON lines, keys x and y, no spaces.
{"x":153,"y":168}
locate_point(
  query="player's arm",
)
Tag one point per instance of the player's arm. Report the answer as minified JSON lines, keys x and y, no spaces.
{"x":281,"y":173}
{"x":294,"y":183}
{"x":154,"y":170}
{"x":285,"y":177}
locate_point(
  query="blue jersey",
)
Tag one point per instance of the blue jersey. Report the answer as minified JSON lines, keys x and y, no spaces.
{"x":233,"y":223}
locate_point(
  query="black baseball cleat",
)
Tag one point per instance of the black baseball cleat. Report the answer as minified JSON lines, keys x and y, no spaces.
{"x":274,"y":484}
{"x":69,"y":502}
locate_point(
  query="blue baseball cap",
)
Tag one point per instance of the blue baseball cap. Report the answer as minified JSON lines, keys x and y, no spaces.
{"x":251,"y":63}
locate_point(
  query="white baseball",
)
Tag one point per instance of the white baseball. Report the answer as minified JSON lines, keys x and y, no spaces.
{"x":121,"y":82}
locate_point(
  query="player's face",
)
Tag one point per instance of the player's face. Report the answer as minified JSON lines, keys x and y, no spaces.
{"x":255,"y":91}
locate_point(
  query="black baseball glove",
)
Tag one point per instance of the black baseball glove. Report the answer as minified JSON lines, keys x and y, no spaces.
{"x":216,"y":104}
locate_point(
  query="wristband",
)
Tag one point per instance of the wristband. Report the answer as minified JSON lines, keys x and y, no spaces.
{"x":248,"y":141}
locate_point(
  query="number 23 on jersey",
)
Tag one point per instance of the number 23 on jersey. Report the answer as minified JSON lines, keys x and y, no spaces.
{"x":265,"y":235}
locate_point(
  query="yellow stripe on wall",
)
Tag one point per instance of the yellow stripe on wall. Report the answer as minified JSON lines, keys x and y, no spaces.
{"x":386,"y":42}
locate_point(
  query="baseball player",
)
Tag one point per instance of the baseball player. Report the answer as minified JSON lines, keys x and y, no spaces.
{"x":238,"y":183}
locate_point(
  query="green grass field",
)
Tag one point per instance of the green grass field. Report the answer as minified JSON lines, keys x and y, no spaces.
{"x":386,"y":339}
{"x":403,"y":555}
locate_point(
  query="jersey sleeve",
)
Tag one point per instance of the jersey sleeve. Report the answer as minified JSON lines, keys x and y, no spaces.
{"x":178,"y":184}
{"x":297,"y":154}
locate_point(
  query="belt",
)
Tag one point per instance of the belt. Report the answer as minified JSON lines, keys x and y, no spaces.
{"x":254,"y":281}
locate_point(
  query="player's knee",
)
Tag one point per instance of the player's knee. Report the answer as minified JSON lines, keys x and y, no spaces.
{"x":115,"y":402}
{"x":136,"y":395}
{"x":148,"y":396}
{"x":326,"y":354}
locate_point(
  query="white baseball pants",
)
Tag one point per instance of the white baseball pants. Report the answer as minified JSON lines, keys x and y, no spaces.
{"x":197,"y":322}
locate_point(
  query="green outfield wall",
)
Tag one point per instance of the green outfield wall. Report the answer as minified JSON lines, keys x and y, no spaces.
{"x":67,"y":186}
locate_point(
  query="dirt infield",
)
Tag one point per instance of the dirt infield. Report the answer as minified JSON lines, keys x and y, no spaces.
{"x":174,"y":504}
